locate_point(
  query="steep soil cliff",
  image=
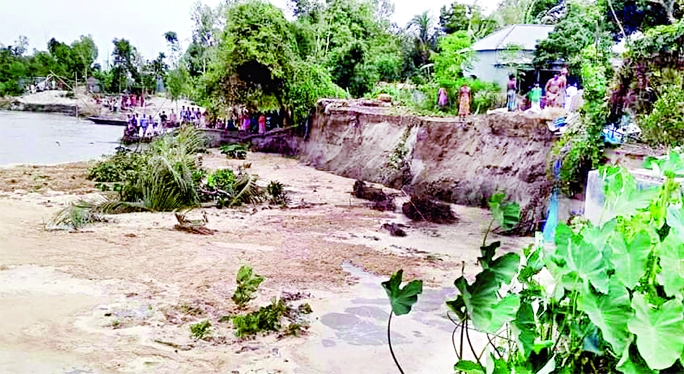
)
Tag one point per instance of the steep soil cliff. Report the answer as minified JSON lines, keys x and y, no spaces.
{"x":463,"y":162}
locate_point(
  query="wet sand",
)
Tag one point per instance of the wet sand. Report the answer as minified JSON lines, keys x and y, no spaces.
{"x":120,"y":296}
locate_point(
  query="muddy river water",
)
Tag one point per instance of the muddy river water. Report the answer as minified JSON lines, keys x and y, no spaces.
{"x":36,"y":138}
{"x":119,"y":296}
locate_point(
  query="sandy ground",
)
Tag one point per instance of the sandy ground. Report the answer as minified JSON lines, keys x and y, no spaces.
{"x":120,"y":296}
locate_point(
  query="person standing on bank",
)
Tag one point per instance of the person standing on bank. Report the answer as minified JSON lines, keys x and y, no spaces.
{"x":511,"y":93}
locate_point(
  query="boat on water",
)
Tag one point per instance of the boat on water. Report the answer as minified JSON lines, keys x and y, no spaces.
{"x":108,"y":121}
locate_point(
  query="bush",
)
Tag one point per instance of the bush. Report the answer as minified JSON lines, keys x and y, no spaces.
{"x":665,"y":124}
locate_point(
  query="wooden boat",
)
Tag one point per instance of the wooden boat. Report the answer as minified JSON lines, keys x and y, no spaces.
{"x":108,"y":121}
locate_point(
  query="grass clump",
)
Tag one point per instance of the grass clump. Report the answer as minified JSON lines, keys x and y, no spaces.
{"x":201,"y":330}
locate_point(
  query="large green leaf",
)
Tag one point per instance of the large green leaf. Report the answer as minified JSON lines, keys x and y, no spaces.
{"x":600,"y":236}
{"x":497,"y":365}
{"x":671,"y":252}
{"x":609,"y":313}
{"x":623,"y":197}
{"x":659,"y":332}
{"x":402,"y":299}
{"x":588,"y":263}
{"x":505,"y":267}
{"x":507,"y":215}
{"x":469,"y":367}
{"x":483,"y":306}
{"x":524,"y":329}
{"x":629,"y":259}
{"x":632,"y":365}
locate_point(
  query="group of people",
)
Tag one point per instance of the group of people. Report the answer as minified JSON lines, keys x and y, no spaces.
{"x":151,"y":125}
{"x":464,"y":98}
{"x":556,"y":94}
{"x":126,"y":102}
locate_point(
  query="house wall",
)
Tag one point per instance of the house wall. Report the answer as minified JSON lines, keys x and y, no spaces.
{"x":484,"y":68}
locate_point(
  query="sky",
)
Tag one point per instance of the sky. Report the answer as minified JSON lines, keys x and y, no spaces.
{"x":143,"y":22}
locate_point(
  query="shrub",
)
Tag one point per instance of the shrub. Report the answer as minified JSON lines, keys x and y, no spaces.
{"x":665,"y":124}
{"x":277,"y":194}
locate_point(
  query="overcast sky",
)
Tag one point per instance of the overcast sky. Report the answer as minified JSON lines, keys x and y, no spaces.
{"x":143,"y":22}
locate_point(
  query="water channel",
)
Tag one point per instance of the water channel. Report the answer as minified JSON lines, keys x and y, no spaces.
{"x":41,"y":139}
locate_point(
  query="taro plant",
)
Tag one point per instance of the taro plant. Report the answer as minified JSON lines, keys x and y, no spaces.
{"x":247,"y":285}
{"x":401,"y":299}
{"x":612,"y":298}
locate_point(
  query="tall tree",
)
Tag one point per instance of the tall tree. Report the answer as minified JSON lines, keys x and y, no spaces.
{"x":422,"y":25}
{"x":463,"y":17}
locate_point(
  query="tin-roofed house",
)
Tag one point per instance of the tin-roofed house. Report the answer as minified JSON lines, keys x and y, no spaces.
{"x":511,"y":51}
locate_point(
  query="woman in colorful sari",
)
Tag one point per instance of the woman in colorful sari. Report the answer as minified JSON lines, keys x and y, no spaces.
{"x":443,"y":98}
{"x":464,"y":101}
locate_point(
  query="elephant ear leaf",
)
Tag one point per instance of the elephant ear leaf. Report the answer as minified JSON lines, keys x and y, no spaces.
{"x":658,"y":332}
{"x":402,"y":299}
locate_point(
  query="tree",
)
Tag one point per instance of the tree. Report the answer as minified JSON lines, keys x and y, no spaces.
{"x":454,"y":55}
{"x":20,"y":45}
{"x":124,"y":67}
{"x":85,"y":54}
{"x":257,"y":65}
{"x":462,"y":17}
{"x":581,"y":27}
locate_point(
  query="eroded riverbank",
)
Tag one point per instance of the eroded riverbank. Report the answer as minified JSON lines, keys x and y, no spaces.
{"x":120,"y":296}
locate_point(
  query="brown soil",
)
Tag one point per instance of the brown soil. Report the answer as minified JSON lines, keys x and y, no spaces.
{"x":459,"y":161}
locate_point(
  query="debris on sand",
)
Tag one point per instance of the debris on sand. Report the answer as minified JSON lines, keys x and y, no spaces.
{"x":381,"y":201}
{"x":421,"y":208}
{"x":395,"y":229}
{"x":197,"y":226}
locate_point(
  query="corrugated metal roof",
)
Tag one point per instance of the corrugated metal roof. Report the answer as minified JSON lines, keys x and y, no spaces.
{"x":525,"y":36}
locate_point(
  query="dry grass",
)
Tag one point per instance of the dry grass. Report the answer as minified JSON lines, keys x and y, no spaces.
{"x":67,"y":178}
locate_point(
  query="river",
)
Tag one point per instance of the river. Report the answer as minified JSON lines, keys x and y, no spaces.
{"x":38,"y":138}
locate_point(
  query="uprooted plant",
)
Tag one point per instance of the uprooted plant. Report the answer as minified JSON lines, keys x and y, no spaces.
{"x":230,"y":190}
{"x":277,"y":194}
{"x":615,"y":302}
{"x":235,"y":151}
{"x":423,"y":208}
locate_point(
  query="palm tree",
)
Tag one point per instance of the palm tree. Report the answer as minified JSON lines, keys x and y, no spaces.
{"x":424,"y":41}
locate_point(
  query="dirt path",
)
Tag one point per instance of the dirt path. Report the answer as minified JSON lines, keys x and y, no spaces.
{"x":120,"y":296}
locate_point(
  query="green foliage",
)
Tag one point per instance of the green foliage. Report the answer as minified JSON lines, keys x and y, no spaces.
{"x":267,"y":318}
{"x":454,"y":55}
{"x":580,"y":149}
{"x":277,"y":194}
{"x":664,"y":125}
{"x":247,"y":285}
{"x":506,"y":214}
{"x":574,"y":33}
{"x":76,"y":216}
{"x":200,"y":330}
{"x":402,"y":298}
{"x":616,"y":297}
{"x":235,"y":151}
